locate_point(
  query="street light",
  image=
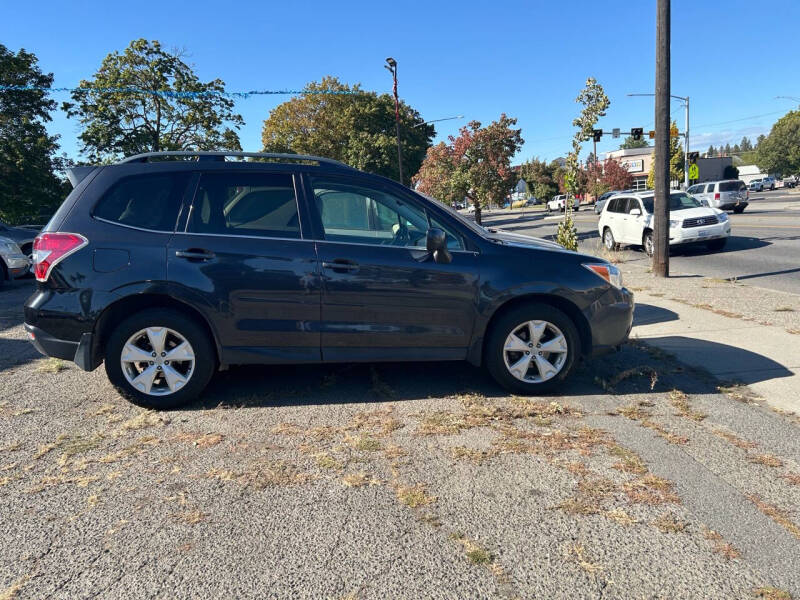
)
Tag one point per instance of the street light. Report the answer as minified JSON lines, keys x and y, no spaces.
{"x":685,"y":135}
{"x":391,"y":66}
{"x":437,"y":120}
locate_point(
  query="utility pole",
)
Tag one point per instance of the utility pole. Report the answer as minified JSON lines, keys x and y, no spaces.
{"x":391,"y":65}
{"x":686,"y":149}
{"x":661,"y":208}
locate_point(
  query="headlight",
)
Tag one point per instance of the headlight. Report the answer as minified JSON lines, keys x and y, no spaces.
{"x":607,"y":271}
{"x":10,"y":247}
{"x":722,"y":217}
{"x":674,"y":224}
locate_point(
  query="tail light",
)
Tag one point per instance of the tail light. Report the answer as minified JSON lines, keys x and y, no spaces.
{"x":49,"y":249}
{"x":716,"y":196}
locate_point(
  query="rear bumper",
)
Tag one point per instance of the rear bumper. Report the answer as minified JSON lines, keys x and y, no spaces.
{"x":78,"y":352}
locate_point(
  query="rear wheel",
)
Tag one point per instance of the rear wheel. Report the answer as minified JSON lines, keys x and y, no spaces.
{"x":717,"y":244}
{"x":532,"y":349}
{"x":160,"y":359}
{"x":738,"y":209}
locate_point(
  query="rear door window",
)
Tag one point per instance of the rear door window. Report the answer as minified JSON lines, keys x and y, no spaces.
{"x":144,"y":201}
{"x":246,"y":204}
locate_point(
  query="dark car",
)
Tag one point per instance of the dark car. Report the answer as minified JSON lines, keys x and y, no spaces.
{"x":169,"y":270}
{"x":23,"y":236}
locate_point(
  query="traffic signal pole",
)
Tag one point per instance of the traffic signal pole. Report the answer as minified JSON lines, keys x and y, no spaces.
{"x":662,"y":176}
{"x":686,"y":149}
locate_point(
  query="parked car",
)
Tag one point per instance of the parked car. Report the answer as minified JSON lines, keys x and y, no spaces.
{"x":768,"y":183}
{"x":559,"y":203}
{"x":756,"y":185}
{"x":13,"y":262}
{"x":601,"y":201}
{"x":628,"y":219}
{"x":790,"y":182}
{"x":730,"y":194}
{"x":167,"y":270}
{"x":23,"y":236}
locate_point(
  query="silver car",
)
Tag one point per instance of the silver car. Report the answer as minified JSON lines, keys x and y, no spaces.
{"x":730,"y":194}
{"x":13,"y":263}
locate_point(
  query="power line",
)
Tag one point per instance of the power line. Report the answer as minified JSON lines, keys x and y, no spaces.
{"x":172,"y":93}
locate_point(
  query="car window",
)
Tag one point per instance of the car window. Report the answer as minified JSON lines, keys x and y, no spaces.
{"x":632,"y":203}
{"x":357,"y":214}
{"x":252,"y":204}
{"x":730,"y":186}
{"x":710,"y":187}
{"x":144,"y":201}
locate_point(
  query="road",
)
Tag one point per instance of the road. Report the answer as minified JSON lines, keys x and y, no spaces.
{"x":764,"y":248}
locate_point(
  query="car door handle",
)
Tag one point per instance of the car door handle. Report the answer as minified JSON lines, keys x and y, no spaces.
{"x":195,"y":254}
{"x":341,"y":265}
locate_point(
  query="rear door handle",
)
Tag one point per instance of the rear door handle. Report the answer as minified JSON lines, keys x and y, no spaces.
{"x":341,"y":265}
{"x":195,"y":254}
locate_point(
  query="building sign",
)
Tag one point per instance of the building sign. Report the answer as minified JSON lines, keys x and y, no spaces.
{"x":633,"y":166}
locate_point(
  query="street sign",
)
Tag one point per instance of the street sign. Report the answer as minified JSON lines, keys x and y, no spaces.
{"x":615,"y":132}
{"x":652,"y":134}
{"x":694,"y":172}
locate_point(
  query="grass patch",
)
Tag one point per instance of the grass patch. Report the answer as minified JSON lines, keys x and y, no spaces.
{"x":11,"y":446}
{"x":620,"y":516}
{"x":668,"y":522}
{"x":777,"y":514}
{"x":652,"y":490}
{"x":14,"y":589}
{"x":145,"y":420}
{"x":464,"y":453}
{"x":326,"y":461}
{"x":358,"y":480}
{"x":680,"y":400}
{"x":734,"y":439}
{"x":52,"y":365}
{"x":261,"y":475}
{"x":201,"y":440}
{"x":474,"y":552}
{"x":609,"y":385}
{"x":580,"y":505}
{"x":364,"y":442}
{"x":629,"y":462}
{"x":771,"y":593}
{"x":768,"y":460}
{"x":792,"y":478}
{"x":720,"y":546}
{"x":191,"y":517}
{"x":738,"y":392}
{"x":577,"y":553}
{"x":414,"y":496}
{"x":784,"y":309}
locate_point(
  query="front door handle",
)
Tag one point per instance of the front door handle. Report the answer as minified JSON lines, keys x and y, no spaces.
{"x":341,"y":265}
{"x":195,"y":254}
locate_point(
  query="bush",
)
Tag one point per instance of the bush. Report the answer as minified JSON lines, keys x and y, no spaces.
{"x":519,"y":204}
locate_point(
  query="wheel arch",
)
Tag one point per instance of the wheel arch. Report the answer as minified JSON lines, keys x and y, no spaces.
{"x":129,"y":305}
{"x":558,"y":302}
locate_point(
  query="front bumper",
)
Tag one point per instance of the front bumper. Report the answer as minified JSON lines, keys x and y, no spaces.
{"x":610,"y":319}
{"x":78,"y":352}
{"x":691,"y":235}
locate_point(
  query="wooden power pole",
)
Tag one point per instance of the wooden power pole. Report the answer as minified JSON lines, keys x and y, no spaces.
{"x":662,"y":175}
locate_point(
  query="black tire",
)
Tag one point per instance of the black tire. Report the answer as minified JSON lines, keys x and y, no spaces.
{"x":717,"y":245}
{"x":507,"y":323}
{"x":3,"y":273}
{"x":608,"y":239}
{"x":738,"y":209}
{"x":647,"y":243}
{"x":204,"y":351}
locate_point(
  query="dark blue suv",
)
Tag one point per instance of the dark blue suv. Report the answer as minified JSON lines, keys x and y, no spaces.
{"x":169,"y":266}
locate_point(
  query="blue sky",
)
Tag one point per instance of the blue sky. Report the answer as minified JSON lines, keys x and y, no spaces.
{"x":477,"y":59}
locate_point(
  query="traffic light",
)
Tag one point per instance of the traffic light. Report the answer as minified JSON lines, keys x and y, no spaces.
{"x":597,"y":134}
{"x":636,"y":133}
{"x":693,"y":156}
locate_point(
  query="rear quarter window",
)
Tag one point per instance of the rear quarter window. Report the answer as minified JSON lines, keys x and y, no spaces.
{"x":144,"y":201}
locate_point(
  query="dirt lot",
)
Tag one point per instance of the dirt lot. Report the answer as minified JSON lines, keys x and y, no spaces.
{"x":639,"y":480}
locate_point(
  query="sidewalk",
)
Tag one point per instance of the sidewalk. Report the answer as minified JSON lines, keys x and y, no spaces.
{"x":732,"y":347}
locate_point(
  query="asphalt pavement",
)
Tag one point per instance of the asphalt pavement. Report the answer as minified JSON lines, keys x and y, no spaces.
{"x":763,"y":250}
{"x":638,"y":479}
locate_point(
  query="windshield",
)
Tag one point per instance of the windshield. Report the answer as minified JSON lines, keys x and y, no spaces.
{"x":677,"y":201}
{"x":456,"y":215}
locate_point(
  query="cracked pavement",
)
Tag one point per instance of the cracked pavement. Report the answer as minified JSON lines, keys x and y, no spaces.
{"x":638,"y":480}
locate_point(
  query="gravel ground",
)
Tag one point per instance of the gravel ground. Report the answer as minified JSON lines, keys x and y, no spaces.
{"x":639,"y":480}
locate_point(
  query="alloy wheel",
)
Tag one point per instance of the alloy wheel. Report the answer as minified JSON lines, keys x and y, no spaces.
{"x":157,"y":361}
{"x":535,"y":351}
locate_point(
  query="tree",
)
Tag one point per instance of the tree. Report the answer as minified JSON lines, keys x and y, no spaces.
{"x":727,"y":150}
{"x":28,"y":184}
{"x":594,"y":179}
{"x":540,"y":178}
{"x":346,"y":123}
{"x":675,"y":162}
{"x":730,"y":172}
{"x":615,"y":176}
{"x":711,"y":152}
{"x":438,"y":175}
{"x":629,"y":142}
{"x":170,"y":109}
{"x":780,"y":151}
{"x":746,"y":145}
{"x":477,"y":162}
{"x":595,"y":103}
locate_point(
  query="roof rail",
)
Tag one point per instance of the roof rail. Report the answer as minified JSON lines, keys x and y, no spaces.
{"x":220,"y":155}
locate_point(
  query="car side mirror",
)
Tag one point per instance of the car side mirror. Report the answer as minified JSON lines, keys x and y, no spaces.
{"x":636,"y":212}
{"x":436,"y":242}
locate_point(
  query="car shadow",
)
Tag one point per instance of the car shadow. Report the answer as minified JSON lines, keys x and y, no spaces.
{"x":15,"y":352}
{"x":736,"y":243}
{"x":647,"y":314}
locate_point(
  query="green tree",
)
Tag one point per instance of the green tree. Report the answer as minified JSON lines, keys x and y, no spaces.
{"x":780,"y":151}
{"x":118,"y":123}
{"x":439,"y":177}
{"x":746,"y":145}
{"x":629,"y":142}
{"x":711,"y":151}
{"x":595,"y":104}
{"x":675,"y":162}
{"x":28,"y":184}
{"x":540,"y":178}
{"x":346,"y":123}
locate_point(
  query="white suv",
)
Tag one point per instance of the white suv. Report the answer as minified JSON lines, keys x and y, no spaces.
{"x":559,"y":202}
{"x":628,"y":219}
{"x":730,"y":194}
{"x":768,"y":183}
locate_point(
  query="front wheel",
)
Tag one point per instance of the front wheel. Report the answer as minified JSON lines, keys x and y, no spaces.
{"x":532,"y":349}
{"x":648,"y":244}
{"x":160,"y":359}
